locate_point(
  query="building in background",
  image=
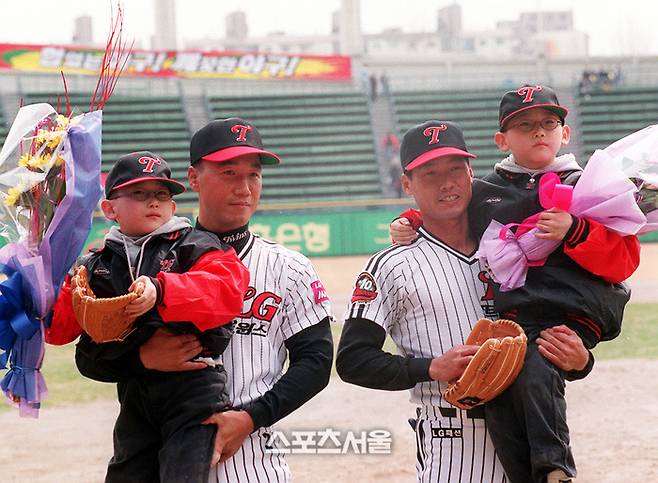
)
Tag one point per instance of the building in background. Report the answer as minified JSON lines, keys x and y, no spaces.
{"x":351,"y":38}
{"x":83,"y":33}
{"x":236,"y":26}
{"x":164,"y":36}
{"x":541,"y":34}
{"x":449,"y":27}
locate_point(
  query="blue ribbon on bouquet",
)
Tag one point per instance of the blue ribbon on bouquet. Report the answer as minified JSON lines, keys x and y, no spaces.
{"x":20,"y":336}
{"x":24,"y":384}
{"x":14,"y":320}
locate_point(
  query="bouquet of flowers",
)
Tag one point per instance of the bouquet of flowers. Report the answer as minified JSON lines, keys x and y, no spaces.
{"x":618,"y":188}
{"x":49,"y":188}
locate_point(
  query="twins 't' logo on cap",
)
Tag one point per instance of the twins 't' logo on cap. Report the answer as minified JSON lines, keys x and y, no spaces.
{"x":528,"y":92}
{"x":149,"y":162}
{"x":433,"y":133}
{"x":243,"y":131}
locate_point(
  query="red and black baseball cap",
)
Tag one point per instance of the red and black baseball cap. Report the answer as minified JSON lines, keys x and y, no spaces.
{"x":431,"y":140}
{"x":527,"y":97}
{"x":226,"y":139}
{"x":140,"y":166}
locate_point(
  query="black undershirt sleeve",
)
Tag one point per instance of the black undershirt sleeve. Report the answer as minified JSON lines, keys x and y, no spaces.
{"x":577,"y":375}
{"x":362,"y":361}
{"x":310,"y":353}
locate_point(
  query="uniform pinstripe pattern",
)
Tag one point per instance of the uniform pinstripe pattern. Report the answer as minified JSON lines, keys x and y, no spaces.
{"x":254,"y":360}
{"x":253,"y":464}
{"x":466,"y":459}
{"x":428,"y":298}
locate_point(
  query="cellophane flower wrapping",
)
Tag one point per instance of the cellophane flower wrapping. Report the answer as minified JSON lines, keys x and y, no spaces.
{"x":618,"y":188}
{"x":49,"y":187}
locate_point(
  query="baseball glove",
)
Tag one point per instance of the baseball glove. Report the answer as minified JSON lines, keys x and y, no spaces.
{"x":495,"y":365}
{"x":103,"y":319}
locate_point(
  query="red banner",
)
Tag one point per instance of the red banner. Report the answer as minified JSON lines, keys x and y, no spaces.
{"x":183,"y":64}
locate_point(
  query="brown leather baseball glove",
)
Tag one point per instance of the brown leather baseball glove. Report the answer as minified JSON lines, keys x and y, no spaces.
{"x":103,"y":319}
{"x":494,"y":367}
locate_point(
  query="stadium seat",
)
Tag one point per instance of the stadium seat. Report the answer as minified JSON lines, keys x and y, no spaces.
{"x":476,"y":111}
{"x":151,"y":123}
{"x":607,"y":116}
{"x":324,"y":140}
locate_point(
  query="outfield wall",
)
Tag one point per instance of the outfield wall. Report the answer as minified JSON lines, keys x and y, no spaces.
{"x":317,"y":233}
{"x":314,"y":233}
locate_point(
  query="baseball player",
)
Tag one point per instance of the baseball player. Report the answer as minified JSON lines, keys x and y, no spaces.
{"x":427,"y":296}
{"x":577,"y":286}
{"x":286,"y":311}
{"x":159,"y":421}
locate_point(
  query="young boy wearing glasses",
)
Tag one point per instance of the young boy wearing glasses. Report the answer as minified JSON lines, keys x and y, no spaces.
{"x":193,"y":284}
{"x":575,"y":292}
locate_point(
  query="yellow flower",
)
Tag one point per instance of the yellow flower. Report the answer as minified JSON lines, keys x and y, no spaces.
{"x":24,"y":160}
{"x":50,"y":138}
{"x":39,"y":161}
{"x":34,"y":163}
{"x":42,"y":136}
{"x":55,"y":138}
{"x":59,"y":161}
{"x":13,"y":195}
{"x":62,"y":121}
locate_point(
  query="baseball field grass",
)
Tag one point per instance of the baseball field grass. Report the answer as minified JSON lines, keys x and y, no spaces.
{"x":638,"y":340}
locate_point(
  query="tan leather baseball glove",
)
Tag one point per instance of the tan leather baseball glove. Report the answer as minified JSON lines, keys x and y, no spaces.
{"x":494,"y":367}
{"x":103,"y":319}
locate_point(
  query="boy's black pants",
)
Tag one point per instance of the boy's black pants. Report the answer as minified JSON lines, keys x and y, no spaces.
{"x":158,"y":435}
{"x":528,"y":422}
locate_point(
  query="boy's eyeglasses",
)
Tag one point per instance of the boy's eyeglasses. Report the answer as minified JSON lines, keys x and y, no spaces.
{"x":548,"y":124}
{"x":143,"y":195}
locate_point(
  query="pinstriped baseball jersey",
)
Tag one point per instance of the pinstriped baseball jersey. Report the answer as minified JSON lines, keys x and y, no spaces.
{"x":253,"y":463}
{"x":450,"y":451}
{"x":427,"y":296}
{"x":283,"y":298}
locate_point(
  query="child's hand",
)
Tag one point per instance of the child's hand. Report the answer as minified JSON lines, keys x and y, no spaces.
{"x":402,"y":232}
{"x":145,"y":301}
{"x":555,"y":224}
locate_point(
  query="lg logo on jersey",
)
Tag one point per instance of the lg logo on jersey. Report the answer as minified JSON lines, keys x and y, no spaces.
{"x":447,"y":432}
{"x":263,"y":306}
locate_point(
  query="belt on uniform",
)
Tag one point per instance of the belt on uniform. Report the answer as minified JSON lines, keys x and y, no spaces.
{"x":475,"y":413}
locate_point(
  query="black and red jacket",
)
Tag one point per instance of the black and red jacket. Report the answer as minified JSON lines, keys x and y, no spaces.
{"x":200,"y":282}
{"x":580,"y":283}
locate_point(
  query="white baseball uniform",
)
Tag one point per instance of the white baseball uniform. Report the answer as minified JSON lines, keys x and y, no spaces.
{"x":284,"y":297}
{"x":427,"y":296}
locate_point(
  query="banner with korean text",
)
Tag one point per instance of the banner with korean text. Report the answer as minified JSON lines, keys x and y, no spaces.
{"x":182,"y":64}
{"x":354,"y":232}
{"x":358,"y":232}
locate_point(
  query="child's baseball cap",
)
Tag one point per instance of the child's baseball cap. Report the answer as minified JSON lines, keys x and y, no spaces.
{"x":430,"y":140}
{"x":226,"y":139}
{"x":527,"y":97}
{"x":140,"y":166}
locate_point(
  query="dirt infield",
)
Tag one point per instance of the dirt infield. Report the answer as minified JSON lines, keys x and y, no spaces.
{"x":614,"y":438}
{"x":612,"y":415}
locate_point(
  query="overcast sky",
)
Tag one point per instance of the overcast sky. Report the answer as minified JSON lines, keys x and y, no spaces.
{"x":615,"y":28}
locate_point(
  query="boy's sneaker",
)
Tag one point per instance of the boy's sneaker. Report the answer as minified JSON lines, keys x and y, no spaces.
{"x":559,"y":476}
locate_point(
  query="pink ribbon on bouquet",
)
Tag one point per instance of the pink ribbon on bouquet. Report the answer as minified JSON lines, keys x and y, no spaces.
{"x":508,"y":250}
